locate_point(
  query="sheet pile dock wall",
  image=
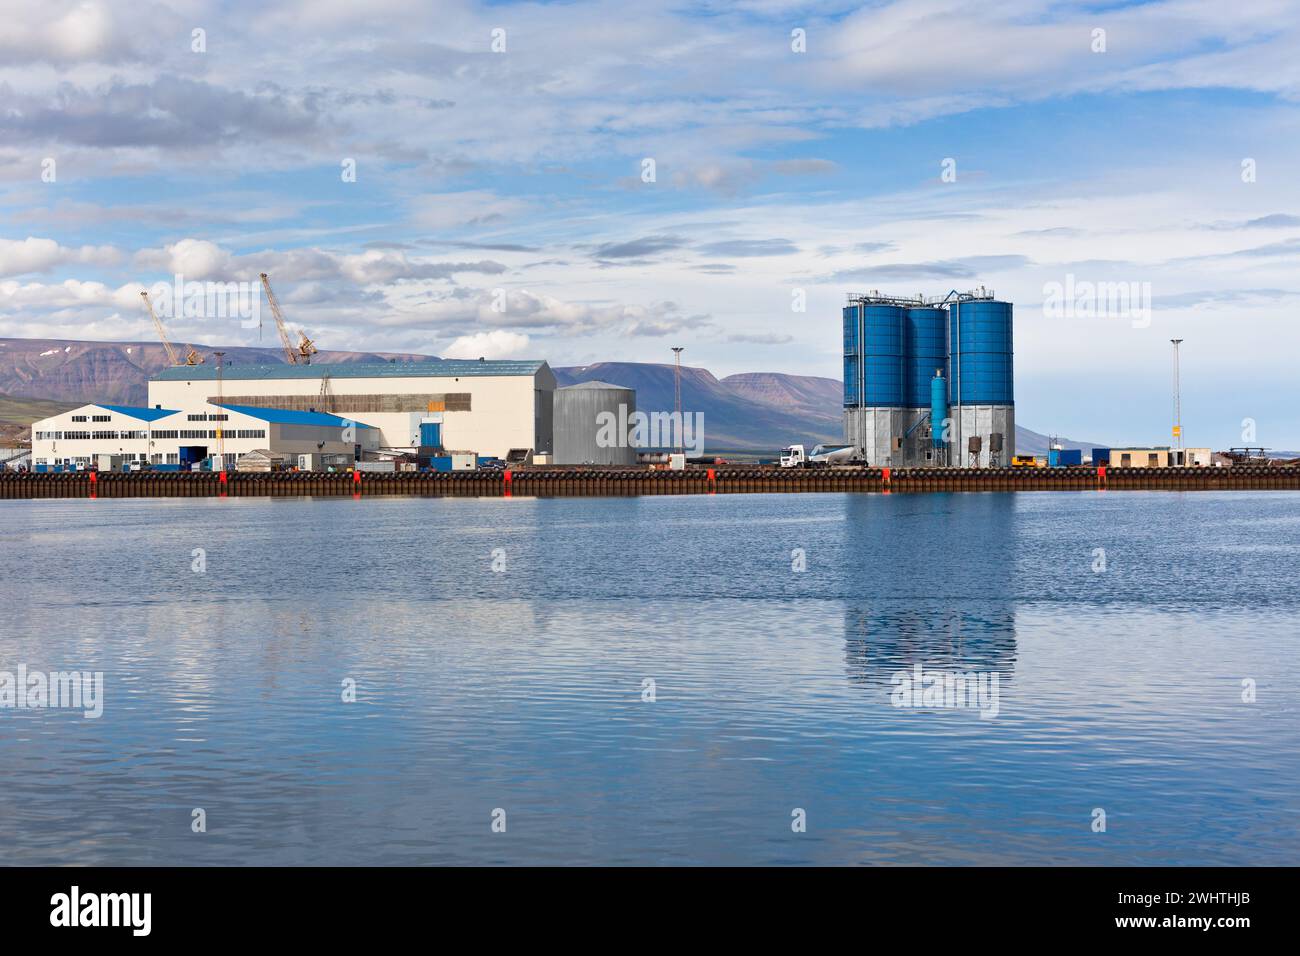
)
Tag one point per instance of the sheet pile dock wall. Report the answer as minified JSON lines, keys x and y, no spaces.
{"x":541,"y":482}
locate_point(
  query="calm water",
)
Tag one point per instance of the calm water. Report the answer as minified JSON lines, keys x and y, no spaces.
{"x":522,"y":690}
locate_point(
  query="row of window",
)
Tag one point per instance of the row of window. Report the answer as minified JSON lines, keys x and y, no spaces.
{"x":164,"y":433}
{"x":205,"y":417}
{"x":93,"y":418}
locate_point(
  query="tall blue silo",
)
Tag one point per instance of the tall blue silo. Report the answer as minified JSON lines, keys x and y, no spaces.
{"x":981,"y":380}
{"x":875,"y":376}
{"x":979,"y":334}
{"x":852,"y":358}
{"x":927,"y":350}
{"x":882,"y":352}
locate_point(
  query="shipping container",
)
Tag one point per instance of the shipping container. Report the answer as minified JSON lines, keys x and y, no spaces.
{"x":1064,"y":457}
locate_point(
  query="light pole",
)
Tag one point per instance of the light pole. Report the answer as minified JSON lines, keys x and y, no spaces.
{"x":1178,"y":405}
{"x":677,"y":394}
{"x":221,"y":439}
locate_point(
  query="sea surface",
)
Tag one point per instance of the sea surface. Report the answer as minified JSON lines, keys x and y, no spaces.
{"x":654,"y":681}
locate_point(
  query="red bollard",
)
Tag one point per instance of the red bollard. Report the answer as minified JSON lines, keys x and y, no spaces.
{"x":1101,"y":477}
{"x":885,"y":480}
{"x":713,"y":481}
{"x":507,"y":487}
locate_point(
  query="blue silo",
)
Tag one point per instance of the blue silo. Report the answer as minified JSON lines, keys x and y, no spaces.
{"x":875,"y":350}
{"x":938,"y":408}
{"x":980,"y":372}
{"x":852,"y":360}
{"x":927,"y":350}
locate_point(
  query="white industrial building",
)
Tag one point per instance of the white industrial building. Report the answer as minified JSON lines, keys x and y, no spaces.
{"x":488,"y":407}
{"x":169,"y":436}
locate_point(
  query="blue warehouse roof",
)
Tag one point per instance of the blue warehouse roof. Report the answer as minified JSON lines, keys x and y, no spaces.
{"x":284,"y":416}
{"x":136,"y":411}
{"x":442,"y":368}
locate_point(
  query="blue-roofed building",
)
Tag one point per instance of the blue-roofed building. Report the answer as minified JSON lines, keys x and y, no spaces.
{"x":116,"y":436}
{"x":78,"y":438}
{"x":484,"y":406}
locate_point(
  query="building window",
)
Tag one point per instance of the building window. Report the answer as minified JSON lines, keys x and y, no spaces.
{"x":78,"y":418}
{"x":101,"y":418}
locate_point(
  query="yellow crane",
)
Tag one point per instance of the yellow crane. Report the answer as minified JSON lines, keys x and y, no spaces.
{"x":192,"y":357}
{"x":299,"y":354}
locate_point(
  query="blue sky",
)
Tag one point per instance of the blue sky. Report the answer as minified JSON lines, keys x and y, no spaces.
{"x":514,"y":177}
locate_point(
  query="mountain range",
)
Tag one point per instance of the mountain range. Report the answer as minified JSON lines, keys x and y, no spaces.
{"x":751,"y":410}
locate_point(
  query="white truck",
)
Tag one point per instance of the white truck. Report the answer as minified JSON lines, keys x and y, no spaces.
{"x":796,"y":457}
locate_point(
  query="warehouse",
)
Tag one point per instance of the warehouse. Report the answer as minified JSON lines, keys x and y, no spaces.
{"x":489,"y":407}
{"x":124,"y":434}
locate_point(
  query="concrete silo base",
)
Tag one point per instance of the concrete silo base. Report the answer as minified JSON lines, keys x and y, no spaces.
{"x":984,"y":421}
{"x":873,"y":430}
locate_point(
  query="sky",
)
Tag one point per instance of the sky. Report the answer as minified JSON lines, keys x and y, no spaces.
{"x":601,"y":181}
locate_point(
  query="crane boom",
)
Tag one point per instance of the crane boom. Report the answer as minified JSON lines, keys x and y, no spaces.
{"x":299,"y":354}
{"x":192,"y":357}
{"x":172,"y":357}
{"x":290,"y":353}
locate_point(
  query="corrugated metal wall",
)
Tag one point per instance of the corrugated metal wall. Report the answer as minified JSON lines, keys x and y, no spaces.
{"x":576,"y":423}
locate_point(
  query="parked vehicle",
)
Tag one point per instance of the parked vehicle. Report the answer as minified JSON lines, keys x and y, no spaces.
{"x":821,"y":455}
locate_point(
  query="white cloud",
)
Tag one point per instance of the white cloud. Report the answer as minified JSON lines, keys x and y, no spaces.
{"x":23,"y":256}
{"x":192,"y":258}
{"x":497,"y":344}
{"x":62,"y":32}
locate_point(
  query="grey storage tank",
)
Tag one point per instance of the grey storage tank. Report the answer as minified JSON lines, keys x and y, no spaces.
{"x":593,"y":424}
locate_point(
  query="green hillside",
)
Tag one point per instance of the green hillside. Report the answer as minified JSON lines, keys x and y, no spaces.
{"x":16,"y":410}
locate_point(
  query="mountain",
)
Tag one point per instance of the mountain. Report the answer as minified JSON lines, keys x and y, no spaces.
{"x":736,"y":415}
{"x":760,"y":411}
{"x":119,"y":372}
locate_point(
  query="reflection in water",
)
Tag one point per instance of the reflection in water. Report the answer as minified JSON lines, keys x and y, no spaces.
{"x":942,"y":598}
{"x":523,"y":689}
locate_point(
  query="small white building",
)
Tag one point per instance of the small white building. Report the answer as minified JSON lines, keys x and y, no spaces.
{"x":165,"y":436}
